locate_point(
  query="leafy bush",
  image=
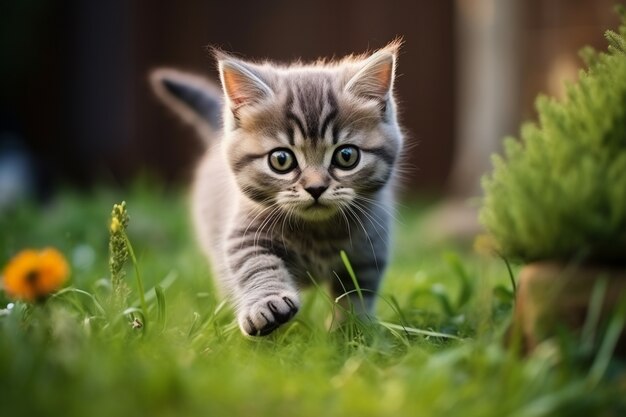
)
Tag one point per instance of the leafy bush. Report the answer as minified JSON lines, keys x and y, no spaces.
{"x":560,"y":192}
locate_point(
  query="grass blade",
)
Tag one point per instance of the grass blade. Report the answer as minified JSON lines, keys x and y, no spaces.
{"x":421,"y":332}
{"x":611,"y":337}
{"x":142,"y":298}
{"x":161,"y":311}
{"x":459,"y":272}
{"x":346,"y":262}
{"x":588,"y":334}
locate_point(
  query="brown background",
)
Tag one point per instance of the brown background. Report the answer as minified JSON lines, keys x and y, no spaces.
{"x":74,"y":89}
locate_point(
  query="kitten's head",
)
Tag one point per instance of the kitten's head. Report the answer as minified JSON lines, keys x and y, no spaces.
{"x":311,"y":139}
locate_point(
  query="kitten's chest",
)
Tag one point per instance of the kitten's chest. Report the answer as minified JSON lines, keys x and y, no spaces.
{"x":318,"y":257}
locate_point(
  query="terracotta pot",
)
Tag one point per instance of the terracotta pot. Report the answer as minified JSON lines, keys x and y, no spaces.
{"x":553,"y":296}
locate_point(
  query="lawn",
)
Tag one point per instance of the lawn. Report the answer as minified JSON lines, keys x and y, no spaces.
{"x":436,"y":348}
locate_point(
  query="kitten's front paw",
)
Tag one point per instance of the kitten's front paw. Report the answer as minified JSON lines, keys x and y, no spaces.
{"x":266,"y":314}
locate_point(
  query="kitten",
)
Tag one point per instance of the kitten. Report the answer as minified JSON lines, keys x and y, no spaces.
{"x":299,"y":166}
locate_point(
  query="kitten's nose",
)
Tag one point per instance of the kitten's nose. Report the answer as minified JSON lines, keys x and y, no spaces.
{"x":317,"y":191}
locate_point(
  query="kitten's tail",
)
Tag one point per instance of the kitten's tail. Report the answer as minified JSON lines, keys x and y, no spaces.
{"x":196,"y":100}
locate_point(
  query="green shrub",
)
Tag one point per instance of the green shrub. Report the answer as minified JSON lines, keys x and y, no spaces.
{"x":560,"y":192}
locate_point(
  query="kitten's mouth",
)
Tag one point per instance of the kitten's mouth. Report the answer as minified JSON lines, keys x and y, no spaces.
{"x":317,"y":211}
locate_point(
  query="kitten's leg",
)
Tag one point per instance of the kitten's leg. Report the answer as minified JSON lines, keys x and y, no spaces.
{"x":262,"y":287}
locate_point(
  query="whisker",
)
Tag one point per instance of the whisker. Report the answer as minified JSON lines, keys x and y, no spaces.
{"x":264,"y":223}
{"x":252,"y":221}
{"x":341,"y":210}
{"x":360,"y":223}
{"x":372,"y":220}
{"x":390,"y":210}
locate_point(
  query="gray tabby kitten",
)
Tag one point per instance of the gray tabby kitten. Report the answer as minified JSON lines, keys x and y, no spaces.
{"x":299,"y":167}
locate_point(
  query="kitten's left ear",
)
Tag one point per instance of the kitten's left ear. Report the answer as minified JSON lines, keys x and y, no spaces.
{"x":374,"y":80}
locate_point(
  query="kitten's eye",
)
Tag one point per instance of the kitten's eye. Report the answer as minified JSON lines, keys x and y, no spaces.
{"x":346,"y":157}
{"x":282,"y":160}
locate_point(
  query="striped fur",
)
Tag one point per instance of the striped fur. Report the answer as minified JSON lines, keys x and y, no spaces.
{"x":266,"y":232}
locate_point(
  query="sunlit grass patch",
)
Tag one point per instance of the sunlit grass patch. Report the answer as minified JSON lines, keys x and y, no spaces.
{"x":435,"y":346}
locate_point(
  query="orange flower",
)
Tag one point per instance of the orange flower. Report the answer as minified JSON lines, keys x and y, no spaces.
{"x":32,"y":275}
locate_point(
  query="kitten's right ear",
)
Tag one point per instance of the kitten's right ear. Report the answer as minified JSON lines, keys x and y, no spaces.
{"x":195,"y":99}
{"x":374,"y":80}
{"x":241,"y":82}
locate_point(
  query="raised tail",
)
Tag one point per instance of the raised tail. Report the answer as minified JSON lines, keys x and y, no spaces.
{"x":196,"y":100}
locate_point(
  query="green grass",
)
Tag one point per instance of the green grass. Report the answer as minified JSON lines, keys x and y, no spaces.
{"x":75,"y":355}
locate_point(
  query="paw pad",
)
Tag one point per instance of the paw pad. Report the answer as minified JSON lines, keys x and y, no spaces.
{"x":266,"y":314}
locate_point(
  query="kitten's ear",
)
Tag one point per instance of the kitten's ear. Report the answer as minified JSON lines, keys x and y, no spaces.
{"x":374,"y":79}
{"x":195,"y":99}
{"x":241,"y":82}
